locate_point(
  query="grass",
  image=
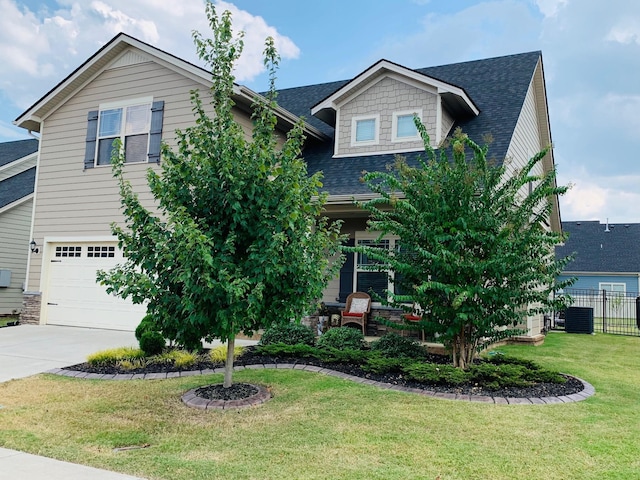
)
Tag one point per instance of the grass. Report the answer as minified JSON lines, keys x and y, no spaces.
{"x":319,"y":427}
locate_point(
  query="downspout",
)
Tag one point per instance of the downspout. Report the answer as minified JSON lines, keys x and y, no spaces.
{"x":33,"y":212}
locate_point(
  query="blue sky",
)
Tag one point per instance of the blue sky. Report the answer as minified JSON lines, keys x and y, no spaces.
{"x":591,"y":54}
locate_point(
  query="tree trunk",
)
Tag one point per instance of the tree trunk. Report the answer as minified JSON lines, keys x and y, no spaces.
{"x":228,"y":366}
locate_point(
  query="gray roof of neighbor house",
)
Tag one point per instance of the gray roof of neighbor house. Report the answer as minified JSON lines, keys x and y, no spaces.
{"x":498,"y":86}
{"x":598,"y":250}
{"x":12,"y":151}
{"x":18,"y":186}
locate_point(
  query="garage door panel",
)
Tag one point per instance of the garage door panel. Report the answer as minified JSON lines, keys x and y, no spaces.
{"x":74,"y":296}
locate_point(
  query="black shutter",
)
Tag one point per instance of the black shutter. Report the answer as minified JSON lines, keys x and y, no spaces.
{"x":155,"y":132}
{"x":92,"y":135}
{"x":346,"y":272}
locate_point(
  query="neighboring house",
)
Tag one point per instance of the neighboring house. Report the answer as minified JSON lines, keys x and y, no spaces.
{"x":17,"y":180}
{"x":607,"y":257}
{"x":351,"y":126}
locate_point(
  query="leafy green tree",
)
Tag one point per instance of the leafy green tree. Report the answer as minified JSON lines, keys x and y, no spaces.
{"x":475,"y":254}
{"x":239,"y":242}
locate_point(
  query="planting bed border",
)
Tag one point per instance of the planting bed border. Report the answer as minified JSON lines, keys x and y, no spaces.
{"x":587,"y":392}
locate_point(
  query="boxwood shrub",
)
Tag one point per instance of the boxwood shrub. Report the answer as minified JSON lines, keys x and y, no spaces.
{"x":342,"y":338}
{"x":289,"y":334}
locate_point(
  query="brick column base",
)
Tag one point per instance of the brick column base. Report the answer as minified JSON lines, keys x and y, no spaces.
{"x":30,"y":314}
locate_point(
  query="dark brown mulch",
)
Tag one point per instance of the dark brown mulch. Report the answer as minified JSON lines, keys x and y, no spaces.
{"x":251,"y":357}
{"x":236,"y":391}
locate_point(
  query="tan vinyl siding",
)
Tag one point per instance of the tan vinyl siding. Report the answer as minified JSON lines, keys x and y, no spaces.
{"x":383,"y":98}
{"x":17,"y":167}
{"x":14,"y":248}
{"x":73,"y":202}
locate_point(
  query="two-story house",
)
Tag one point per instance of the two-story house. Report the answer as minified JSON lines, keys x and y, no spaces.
{"x":17,"y":181}
{"x":133,"y":91}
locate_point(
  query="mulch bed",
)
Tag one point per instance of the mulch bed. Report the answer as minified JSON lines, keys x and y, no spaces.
{"x":251,"y":357}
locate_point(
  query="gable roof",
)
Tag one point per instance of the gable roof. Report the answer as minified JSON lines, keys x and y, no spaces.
{"x":498,"y":87}
{"x":600,"y":251}
{"x":108,"y":54}
{"x":12,"y":151}
{"x":16,"y":187}
{"x":454,"y":97}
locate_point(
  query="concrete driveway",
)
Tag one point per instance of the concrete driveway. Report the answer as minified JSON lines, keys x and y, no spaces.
{"x":29,"y":349}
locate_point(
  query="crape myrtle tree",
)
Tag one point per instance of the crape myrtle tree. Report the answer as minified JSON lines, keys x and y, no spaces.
{"x":474,"y":254}
{"x":239,"y":241}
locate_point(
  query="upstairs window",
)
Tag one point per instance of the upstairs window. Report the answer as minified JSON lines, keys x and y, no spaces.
{"x":404,"y":128}
{"x":128,"y":123}
{"x":138,"y":125}
{"x":364,"y":130}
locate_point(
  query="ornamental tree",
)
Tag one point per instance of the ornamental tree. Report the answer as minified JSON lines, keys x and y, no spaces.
{"x":476,"y":256}
{"x":239,"y":241}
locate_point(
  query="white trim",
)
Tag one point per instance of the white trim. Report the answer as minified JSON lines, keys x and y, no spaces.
{"x":386,"y":66}
{"x":33,"y":212}
{"x":394,"y":124}
{"x":128,"y":102}
{"x":619,"y":284}
{"x":337,"y":138}
{"x":18,"y":162}
{"x":376,"y":133}
{"x":374,"y":236}
{"x":438,"y":138}
{"x":15,"y":203}
{"x":382,"y":152}
{"x":599,"y":274}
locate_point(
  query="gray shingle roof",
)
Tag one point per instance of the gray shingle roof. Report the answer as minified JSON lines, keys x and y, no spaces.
{"x":12,"y":151}
{"x":497,"y":86}
{"x":617,"y":250}
{"x":16,"y":187}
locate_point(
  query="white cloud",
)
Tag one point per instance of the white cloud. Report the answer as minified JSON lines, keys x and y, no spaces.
{"x":550,"y":8}
{"x":39,"y":48}
{"x":626,"y":31}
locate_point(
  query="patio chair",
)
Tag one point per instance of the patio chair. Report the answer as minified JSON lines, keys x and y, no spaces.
{"x":356,"y":310}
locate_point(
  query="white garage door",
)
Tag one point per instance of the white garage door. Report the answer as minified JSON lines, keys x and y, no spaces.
{"x":75,"y":299}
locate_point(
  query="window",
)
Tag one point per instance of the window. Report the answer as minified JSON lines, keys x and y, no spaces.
{"x":371,"y":280}
{"x":138,"y":125}
{"x":128,"y":123}
{"x":616,"y":289}
{"x":364,"y":130}
{"x":67,"y":251}
{"x":102,"y":252}
{"x":404,"y":128}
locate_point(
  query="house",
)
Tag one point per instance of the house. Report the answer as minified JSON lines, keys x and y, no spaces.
{"x":17,"y":181}
{"x":607,"y":257}
{"x":351,"y":125}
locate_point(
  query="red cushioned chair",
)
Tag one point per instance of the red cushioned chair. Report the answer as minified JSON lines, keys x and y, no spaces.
{"x":356,"y":310}
{"x":414,"y":317}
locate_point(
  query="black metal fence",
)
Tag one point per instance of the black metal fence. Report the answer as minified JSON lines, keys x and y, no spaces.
{"x":613,"y":312}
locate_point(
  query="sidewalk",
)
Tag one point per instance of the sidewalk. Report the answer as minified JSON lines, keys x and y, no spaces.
{"x":24,"y":466}
{"x":26,"y":350}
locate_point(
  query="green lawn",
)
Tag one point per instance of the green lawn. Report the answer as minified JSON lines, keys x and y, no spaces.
{"x":319,"y":427}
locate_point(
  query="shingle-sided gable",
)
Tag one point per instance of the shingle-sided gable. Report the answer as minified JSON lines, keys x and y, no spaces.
{"x":600,"y":251}
{"x":12,"y":151}
{"x":497,"y":86}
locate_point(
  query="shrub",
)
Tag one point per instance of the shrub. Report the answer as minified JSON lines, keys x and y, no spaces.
{"x":436,"y":374}
{"x":282,"y":349}
{"x":114,"y":355}
{"x":132,"y":364}
{"x":145,"y":325}
{"x":378,"y":364}
{"x":495,"y":376}
{"x":152,"y":343}
{"x":288,"y":333}
{"x":341,"y":338}
{"x":393,"y":345}
{"x":345,"y":355}
{"x":219,"y":354}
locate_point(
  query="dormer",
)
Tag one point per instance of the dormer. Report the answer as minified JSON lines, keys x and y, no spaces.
{"x":373,"y":113}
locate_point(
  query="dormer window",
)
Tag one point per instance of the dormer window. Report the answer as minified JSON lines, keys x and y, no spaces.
{"x":404,"y":128}
{"x":364,"y":130}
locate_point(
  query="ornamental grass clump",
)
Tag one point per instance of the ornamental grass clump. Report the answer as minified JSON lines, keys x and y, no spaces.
{"x":219,"y":354}
{"x":114,"y":355}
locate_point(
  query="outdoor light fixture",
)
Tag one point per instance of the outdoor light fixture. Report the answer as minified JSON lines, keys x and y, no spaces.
{"x":33,"y":246}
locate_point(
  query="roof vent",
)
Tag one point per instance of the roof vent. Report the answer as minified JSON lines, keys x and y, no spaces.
{"x":606,"y":229}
